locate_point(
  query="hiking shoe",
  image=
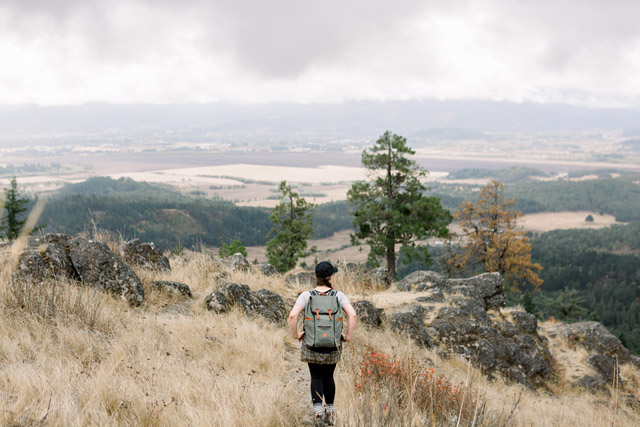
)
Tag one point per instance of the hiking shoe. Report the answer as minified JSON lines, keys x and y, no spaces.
{"x":329,"y":418}
{"x":318,"y":421}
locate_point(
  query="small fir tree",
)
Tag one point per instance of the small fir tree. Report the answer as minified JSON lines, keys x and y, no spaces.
{"x":14,"y":204}
{"x":292,"y":227}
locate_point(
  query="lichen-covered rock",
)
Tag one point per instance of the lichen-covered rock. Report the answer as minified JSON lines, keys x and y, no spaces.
{"x":368,"y":313}
{"x":99,"y":267}
{"x":304,"y":278}
{"x":172,"y":287}
{"x":421,"y":281}
{"x":593,"y":383}
{"x":46,"y":256}
{"x":434,"y":295}
{"x":59,"y":261}
{"x":490,"y":288}
{"x":272,"y":305}
{"x":594,"y":337}
{"x":267,"y":269}
{"x":32,"y":265}
{"x":216,"y":302}
{"x":380,"y":277}
{"x":606,"y":366}
{"x":263,"y":302}
{"x":412,"y":324}
{"x":237,"y":262}
{"x":526,"y":322}
{"x":145,"y":255}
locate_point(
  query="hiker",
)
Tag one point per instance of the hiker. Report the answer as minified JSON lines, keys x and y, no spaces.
{"x":322,"y":357}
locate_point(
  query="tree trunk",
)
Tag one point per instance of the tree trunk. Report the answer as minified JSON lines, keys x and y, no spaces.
{"x":391,"y":261}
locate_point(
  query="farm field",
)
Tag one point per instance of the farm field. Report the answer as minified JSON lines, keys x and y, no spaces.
{"x":338,"y":247}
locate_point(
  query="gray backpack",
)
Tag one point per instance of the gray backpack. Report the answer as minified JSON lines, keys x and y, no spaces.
{"x":323,"y":321}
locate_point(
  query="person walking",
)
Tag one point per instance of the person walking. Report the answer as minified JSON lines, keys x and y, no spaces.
{"x":322,"y":359}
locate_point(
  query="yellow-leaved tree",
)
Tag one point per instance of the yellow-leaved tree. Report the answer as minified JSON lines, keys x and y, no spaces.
{"x":491,"y":239}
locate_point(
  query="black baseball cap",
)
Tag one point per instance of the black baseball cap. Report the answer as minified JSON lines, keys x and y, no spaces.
{"x":325,"y":269}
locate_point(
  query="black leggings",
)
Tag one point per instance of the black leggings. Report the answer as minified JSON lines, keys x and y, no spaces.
{"x":322,"y":384}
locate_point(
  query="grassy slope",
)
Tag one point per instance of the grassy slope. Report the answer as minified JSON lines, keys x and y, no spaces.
{"x":72,"y":356}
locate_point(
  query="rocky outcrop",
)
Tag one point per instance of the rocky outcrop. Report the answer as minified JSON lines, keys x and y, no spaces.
{"x":145,"y":255}
{"x":263,"y":302}
{"x":606,"y":352}
{"x":99,"y":267}
{"x":594,"y":337}
{"x":170,"y":287}
{"x":92,"y":263}
{"x":368,"y":313}
{"x":465,"y":319}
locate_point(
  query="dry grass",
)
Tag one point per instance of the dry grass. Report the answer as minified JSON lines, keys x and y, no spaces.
{"x":72,"y":356}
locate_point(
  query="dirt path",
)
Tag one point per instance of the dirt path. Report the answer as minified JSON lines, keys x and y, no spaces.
{"x":298,"y":385}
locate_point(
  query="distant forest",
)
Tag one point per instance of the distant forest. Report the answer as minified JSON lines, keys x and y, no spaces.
{"x":162,"y":215}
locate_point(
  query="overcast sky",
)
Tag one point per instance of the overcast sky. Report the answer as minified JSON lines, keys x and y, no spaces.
{"x":583,"y":52}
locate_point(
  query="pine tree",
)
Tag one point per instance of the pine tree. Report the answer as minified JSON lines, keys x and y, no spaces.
{"x":292,"y":227}
{"x":491,"y":239}
{"x":13,"y":222}
{"x":391,"y":207}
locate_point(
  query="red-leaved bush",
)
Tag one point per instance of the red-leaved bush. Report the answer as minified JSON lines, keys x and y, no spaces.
{"x":407,"y":383}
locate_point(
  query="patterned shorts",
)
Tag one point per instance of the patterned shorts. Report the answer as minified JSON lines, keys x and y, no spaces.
{"x":311,"y":356}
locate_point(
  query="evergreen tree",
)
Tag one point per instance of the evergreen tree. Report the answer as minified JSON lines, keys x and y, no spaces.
{"x":232,"y":248}
{"x":391,"y":207}
{"x":13,"y":221}
{"x":292,"y":227}
{"x":491,"y":240}
{"x":568,"y":305}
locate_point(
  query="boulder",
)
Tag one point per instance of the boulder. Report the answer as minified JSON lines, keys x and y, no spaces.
{"x":434,"y":295}
{"x":368,"y":313}
{"x":99,"y":267}
{"x":412,"y":324}
{"x":172,"y":287}
{"x":263,"y":302}
{"x":145,"y":255}
{"x":216,"y":302}
{"x":237,"y":262}
{"x":304,"y":278}
{"x":267,"y":269}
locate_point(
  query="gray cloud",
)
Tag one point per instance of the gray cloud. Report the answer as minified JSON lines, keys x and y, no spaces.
{"x":306,"y":50}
